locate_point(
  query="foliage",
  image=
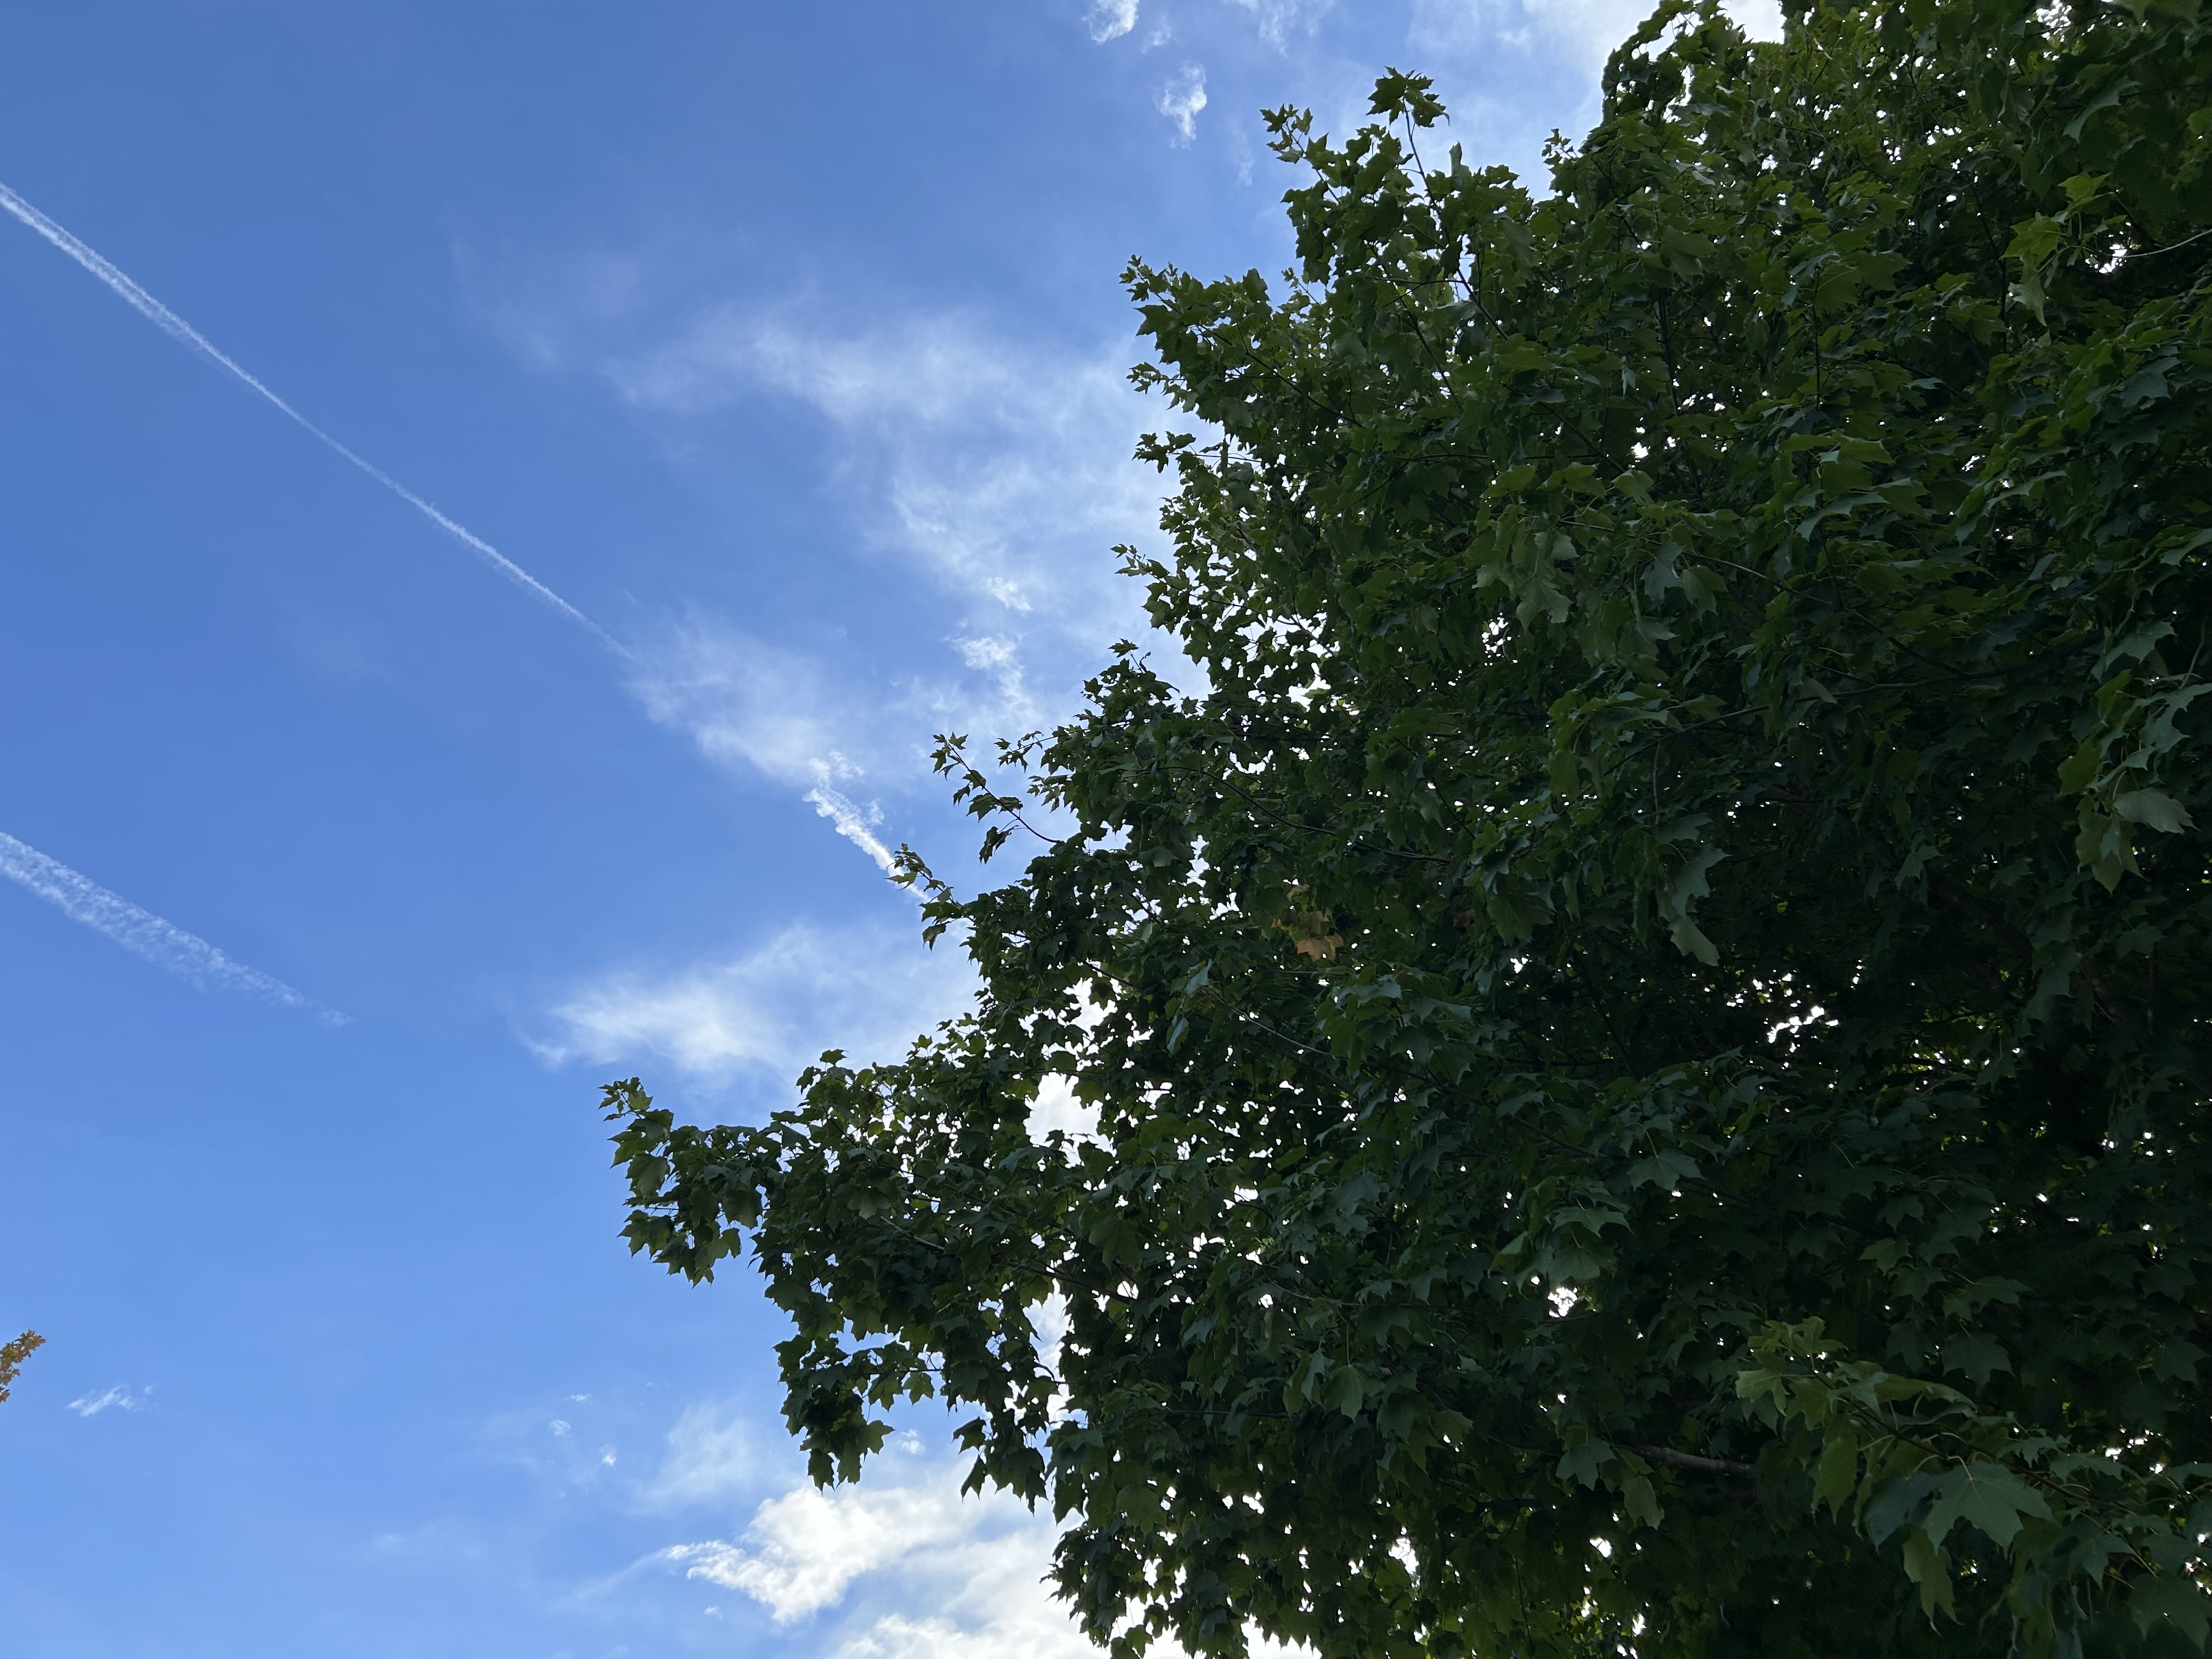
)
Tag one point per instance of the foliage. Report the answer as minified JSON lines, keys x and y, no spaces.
{"x":12,"y":1356}
{"x":1647,"y":1016}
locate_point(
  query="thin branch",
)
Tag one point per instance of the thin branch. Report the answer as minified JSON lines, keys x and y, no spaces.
{"x":1682,"y":1460}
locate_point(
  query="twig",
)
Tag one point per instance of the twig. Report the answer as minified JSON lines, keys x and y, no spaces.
{"x":1682,"y":1460}
{"x":2170,"y":246}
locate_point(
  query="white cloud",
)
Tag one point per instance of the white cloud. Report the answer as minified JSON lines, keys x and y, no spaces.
{"x":754,"y":706}
{"x":901,"y":1566}
{"x":1003,"y":472}
{"x":999,"y":473}
{"x":806,"y":1546}
{"x":1586,"y":30}
{"x":711,"y":1459}
{"x":1182,"y":98}
{"x":987,"y":652}
{"x":867,"y":990}
{"x":750,"y":705}
{"x":936,"y":1575}
{"x":927,"y":1573}
{"x":998,"y":470}
{"x":1109,"y":19}
{"x":747,"y":702}
{"x":1760,"y":19}
{"x":118,"y":1398}
{"x":1056,"y":1108}
{"x":1277,"y":18}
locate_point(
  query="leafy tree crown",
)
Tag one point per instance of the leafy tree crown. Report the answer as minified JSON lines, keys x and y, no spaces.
{"x":1645,"y":1007}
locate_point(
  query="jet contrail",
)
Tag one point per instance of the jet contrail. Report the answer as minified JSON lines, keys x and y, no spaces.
{"x":850,"y":822}
{"x":175,"y":326}
{"x":185,"y":954}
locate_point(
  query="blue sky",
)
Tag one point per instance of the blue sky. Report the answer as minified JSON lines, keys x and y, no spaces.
{"x":784,"y":345}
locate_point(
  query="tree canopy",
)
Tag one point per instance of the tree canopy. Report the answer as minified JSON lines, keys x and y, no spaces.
{"x":13,"y":1353}
{"x":1645,"y":987}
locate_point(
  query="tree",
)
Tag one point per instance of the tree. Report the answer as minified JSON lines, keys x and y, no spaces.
{"x":1646,"y":1006}
{"x":12,"y":1356}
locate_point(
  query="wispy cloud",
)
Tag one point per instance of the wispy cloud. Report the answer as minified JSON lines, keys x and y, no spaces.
{"x":804,"y":1547}
{"x":746,"y":702}
{"x":1004,"y":472}
{"x":189,"y":957}
{"x":1001,"y":473}
{"x":1277,"y":18}
{"x":857,"y":823}
{"x":712,"y":1458}
{"x":1182,"y":98}
{"x":1583,"y":31}
{"x":750,"y":705}
{"x":118,"y":1398}
{"x":1109,"y":19}
{"x":767,"y":733}
{"x":966,"y":1574}
{"x":178,"y":329}
{"x":868,"y":990}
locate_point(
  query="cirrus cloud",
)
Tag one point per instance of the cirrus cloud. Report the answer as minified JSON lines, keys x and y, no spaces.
{"x":772,"y":1009}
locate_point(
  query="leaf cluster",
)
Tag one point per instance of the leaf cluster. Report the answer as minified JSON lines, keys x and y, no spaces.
{"x":13,"y":1353}
{"x":1646,"y":1019}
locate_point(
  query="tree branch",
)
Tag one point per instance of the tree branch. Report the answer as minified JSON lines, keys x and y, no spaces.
{"x":1682,"y":1460}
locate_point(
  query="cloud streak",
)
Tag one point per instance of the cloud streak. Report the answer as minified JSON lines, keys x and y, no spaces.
{"x":178,"y":329}
{"x":1000,"y":472}
{"x":189,"y":957}
{"x":750,"y":704}
{"x":117,"y":1398}
{"x":747,"y":704}
{"x":867,"y":989}
{"x":1582,"y":32}
{"x":1004,"y":472}
{"x":850,"y":821}
{"x":858,"y":824}
{"x":1277,"y":18}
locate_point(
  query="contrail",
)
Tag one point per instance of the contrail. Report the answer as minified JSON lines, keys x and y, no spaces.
{"x":845,"y":815}
{"x":175,"y":326}
{"x":185,"y":954}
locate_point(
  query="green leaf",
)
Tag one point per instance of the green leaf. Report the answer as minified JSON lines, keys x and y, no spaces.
{"x":1690,"y":939}
{"x":2177,"y":1602}
{"x":1838,"y":1473}
{"x":1894,"y":1501}
{"x":2154,"y":809}
{"x":1976,"y":1355}
{"x":1666,"y":1167}
{"x":1584,"y":1463}
{"x":1702,"y":588}
{"x":1988,"y":1495}
{"x":1639,"y":1502}
{"x":1690,"y":883}
{"x":1929,"y":1566}
{"x":2080,"y":768}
